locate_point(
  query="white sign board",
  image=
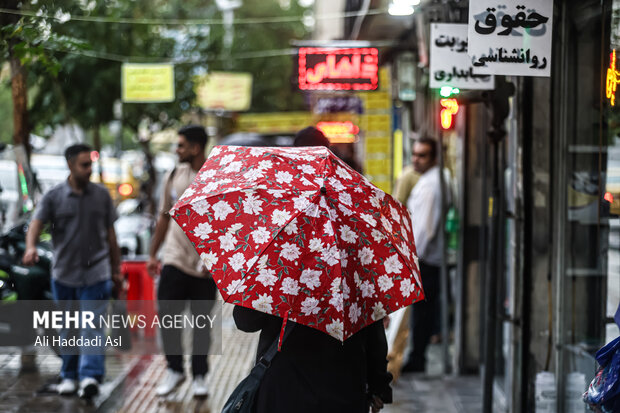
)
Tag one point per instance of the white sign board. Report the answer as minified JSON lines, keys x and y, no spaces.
{"x":450,"y":64}
{"x":511,"y":37}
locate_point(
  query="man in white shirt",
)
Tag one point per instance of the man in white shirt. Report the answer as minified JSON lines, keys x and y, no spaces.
{"x":424,"y":203}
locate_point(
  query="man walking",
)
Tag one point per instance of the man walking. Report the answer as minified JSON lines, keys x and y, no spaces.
{"x":424,"y":203}
{"x":183,"y":276}
{"x":86,"y":255}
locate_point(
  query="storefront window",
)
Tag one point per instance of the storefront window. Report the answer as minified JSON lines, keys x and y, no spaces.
{"x":592,"y":221}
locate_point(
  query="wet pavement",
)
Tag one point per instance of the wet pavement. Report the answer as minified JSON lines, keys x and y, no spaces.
{"x":131,"y":380}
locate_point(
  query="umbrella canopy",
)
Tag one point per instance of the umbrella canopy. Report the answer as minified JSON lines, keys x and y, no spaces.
{"x":297,"y":233}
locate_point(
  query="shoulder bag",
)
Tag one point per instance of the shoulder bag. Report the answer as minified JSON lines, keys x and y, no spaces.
{"x":242,"y":398}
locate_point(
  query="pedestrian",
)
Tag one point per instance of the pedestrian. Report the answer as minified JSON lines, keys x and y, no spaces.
{"x":405,"y":184}
{"x":86,"y":259}
{"x":315,"y":372}
{"x":311,"y":136}
{"x":424,"y":204}
{"x":183,"y":277}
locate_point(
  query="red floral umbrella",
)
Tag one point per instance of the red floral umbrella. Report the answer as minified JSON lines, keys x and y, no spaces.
{"x":297,"y":233}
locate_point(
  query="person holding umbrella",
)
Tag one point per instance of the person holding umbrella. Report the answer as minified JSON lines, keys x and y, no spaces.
{"x":183,"y":276}
{"x":296,"y":237}
{"x":315,"y":372}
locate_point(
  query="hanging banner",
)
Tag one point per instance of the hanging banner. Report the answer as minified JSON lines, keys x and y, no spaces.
{"x":450,"y":64}
{"x":147,"y":83}
{"x":224,"y":91}
{"x":511,"y":37}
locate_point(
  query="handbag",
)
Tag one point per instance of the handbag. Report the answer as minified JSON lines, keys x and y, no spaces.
{"x":242,"y":398}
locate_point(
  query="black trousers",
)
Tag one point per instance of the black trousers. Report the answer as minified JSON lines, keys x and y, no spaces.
{"x":176,"y":285}
{"x":423,"y":320}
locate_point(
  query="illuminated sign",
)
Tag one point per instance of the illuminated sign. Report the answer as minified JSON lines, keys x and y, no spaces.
{"x":450,"y":108}
{"x":338,"y":69}
{"x":339,"y":132}
{"x":613,"y":78}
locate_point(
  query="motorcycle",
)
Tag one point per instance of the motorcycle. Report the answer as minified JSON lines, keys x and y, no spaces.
{"x":20,"y":282}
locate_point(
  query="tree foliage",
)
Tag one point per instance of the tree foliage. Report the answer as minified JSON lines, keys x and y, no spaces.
{"x":88,"y":80}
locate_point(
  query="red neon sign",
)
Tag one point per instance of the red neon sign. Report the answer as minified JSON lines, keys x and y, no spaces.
{"x":450,"y":108}
{"x":338,"y":69}
{"x":339,"y":132}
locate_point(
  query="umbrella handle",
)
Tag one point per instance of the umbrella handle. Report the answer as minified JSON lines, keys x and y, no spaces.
{"x":284,"y":321}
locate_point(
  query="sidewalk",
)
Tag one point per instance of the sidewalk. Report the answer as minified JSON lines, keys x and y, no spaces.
{"x":131,"y":381}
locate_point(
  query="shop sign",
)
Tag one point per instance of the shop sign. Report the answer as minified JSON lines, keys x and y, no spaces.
{"x":147,"y":83}
{"x":613,"y":78}
{"x":511,"y":37}
{"x":339,"y":104}
{"x":450,"y":65}
{"x":339,"y":132}
{"x":449,"y":109}
{"x":229,"y":91}
{"x":338,"y":69}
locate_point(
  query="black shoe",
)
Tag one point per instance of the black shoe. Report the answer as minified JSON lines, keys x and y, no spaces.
{"x":89,"y":388}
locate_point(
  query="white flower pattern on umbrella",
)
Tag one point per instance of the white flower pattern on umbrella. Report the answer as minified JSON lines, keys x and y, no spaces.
{"x":365,"y":255}
{"x":221,"y":210}
{"x":311,"y":278}
{"x":406,"y":287}
{"x":260,"y":235}
{"x":203,"y":230}
{"x":315,"y":245}
{"x":337,"y":302}
{"x":290,"y":286}
{"x":237,"y":261}
{"x":330,"y":255}
{"x":267,"y":277}
{"x":280,"y":217}
{"x":284,"y":177}
{"x":252,"y":204}
{"x":347,"y":235}
{"x":368,"y":289}
{"x":227,"y":242}
{"x":310,"y":306}
{"x":274,"y":242}
{"x":369,"y":219}
{"x":385,"y":283}
{"x":236,"y":286}
{"x":290,"y":252}
{"x":335,"y":329}
{"x":392,"y":265}
{"x":378,"y":312}
{"x":208,"y":260}
{"x":263,"y":303}
{"x":354,"y":313}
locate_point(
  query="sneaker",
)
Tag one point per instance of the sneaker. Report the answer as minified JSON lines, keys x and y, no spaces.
{"x":172,"y":380}
{"x":66,"y":387}
{"x":199,"y":387}
{"x":89,"y":388}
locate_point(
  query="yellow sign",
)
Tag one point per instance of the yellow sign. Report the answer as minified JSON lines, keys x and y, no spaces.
{"x":147,"y":83}
{"x":224,"y":91}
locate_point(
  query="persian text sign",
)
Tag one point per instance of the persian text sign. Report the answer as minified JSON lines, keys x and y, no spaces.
{"x":147,"y":83}
{"x":338,"y":69}
{"x":450,"y":64}
{"x":511,"y":37}
{"x":224,"y":91}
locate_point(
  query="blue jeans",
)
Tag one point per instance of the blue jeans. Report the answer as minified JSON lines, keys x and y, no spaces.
{"x":91,"y":361}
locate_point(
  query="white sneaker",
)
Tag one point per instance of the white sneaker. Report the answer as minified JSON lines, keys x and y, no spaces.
{"x":199,"y":386}
{"x":89,"y":388}
{"x":66,"y":387}
{"x":171,"y":381}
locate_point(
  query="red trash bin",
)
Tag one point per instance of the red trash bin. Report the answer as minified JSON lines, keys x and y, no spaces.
{"x":141,"y":287}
